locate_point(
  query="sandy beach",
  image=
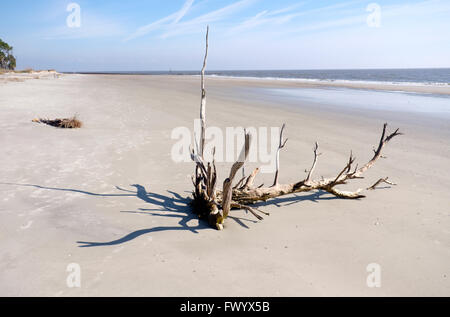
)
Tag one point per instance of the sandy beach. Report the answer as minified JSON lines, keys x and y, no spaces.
{"x":110,"y":198}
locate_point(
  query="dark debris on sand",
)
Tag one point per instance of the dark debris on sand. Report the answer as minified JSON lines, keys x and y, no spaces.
{"x":72,"y":123}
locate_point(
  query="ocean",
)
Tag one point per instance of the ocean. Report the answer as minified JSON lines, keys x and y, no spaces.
{"x":424,"y":76}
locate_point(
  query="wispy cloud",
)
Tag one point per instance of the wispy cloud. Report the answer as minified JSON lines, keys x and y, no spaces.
{"x":220,"y":13}
{"x":267,"y":17}
{"x":356,"y":17}
{"x":172,"y":19}
{"x":180,"y":14}
{"x":194,"y":24}
{"x":285,"y":15}
{"x":172,"y":26}
{"x":288,"y":9}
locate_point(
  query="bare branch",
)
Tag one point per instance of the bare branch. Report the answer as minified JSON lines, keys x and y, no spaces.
{"x":281,"y":145}
{"x":213,"y":182}
{"x":242,"y":157}
{"x":227,"y":190}
{"x":346,"y":169}
{"x":240,"y":183}
{"x":199,"y":161}
{"x":381,"y":180}
{"x":316,"y":155}
{"x":250,"y":179}
{"x":377,"y":154}
{"x":203,"y":99}
{"x":252,"y":195}
{"x":345,"y":194}
{"x":251,"y":209}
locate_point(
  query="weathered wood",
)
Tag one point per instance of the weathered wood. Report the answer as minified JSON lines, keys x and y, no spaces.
{"x":316,"y":155}
{"x":203,"y":99}
{"x":215,"y":205}
{"x":249,"y":182}
{"x":281,"y":145}
{"x":227,"y":184}
{"x":381,"y":180}
{"x":251,"y":195}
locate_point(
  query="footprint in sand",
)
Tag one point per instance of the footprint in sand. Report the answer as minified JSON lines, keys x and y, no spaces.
{"x":27,"y":226}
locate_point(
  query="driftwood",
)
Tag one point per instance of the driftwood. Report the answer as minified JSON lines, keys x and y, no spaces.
{"x":72,"y":123}
{"x":214,"y":205}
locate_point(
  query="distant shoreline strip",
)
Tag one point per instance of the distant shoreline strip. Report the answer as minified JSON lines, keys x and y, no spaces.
{"x":221,"y":74}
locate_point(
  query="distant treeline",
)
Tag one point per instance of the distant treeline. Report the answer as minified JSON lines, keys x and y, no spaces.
{"x":7,"y":59}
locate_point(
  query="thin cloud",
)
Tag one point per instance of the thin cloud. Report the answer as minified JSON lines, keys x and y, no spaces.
{"x":171,"y":25}
{"x":220,"y":13}
{"x":287,"y":9}
{"x":284,"y":15}
{"x":420,"y":9}
{"x":265,"y":17}
{"x":213,"y":16}
{"x":174,"y":18}
{"x":183,"y":11}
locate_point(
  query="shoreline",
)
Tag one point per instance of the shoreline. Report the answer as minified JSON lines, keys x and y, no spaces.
{"x":413,"y":87}
{"x":305,"y":83}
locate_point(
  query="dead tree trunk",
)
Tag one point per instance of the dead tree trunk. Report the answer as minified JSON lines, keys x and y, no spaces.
{"x":214,"y":205}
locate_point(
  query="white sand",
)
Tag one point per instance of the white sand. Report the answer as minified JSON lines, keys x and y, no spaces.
{"x":60,"y":187}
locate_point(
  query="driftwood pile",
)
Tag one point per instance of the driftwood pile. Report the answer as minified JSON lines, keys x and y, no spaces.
{"x":71,"y":123}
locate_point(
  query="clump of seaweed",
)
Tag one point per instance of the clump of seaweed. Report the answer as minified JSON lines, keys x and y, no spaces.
{"x":71,"y":123}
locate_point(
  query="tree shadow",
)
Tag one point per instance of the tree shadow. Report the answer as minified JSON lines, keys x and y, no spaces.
{"x":178,"y":207}
{"x":315,"y":197}
{"x":174,"y":206}
{"x":69,"y":190}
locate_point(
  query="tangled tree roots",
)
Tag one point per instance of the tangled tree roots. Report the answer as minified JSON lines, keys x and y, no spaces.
{"x":72,"y":123}
{"x":214,"y":205}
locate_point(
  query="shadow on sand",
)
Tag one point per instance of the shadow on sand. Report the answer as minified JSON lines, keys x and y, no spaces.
{"x":174,"y":206}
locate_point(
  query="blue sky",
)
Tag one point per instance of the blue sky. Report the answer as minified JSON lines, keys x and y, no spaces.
{"x":245,"y":34}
